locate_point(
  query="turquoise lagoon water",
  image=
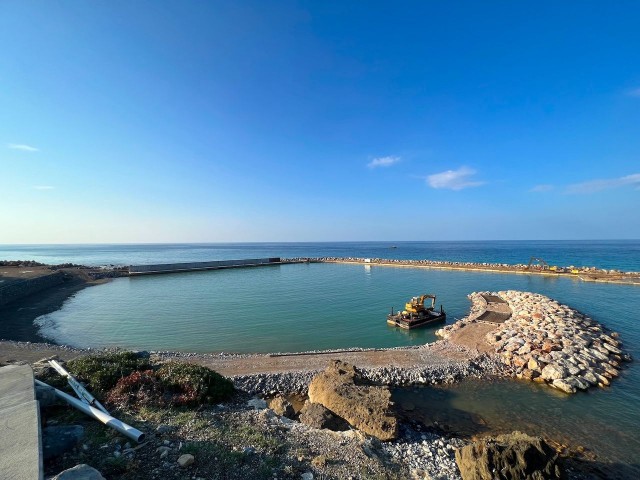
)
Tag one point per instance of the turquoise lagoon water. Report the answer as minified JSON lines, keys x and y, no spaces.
{"x":321,"y":306}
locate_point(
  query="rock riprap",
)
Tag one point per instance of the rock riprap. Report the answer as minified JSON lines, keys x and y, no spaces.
{"x":341,"y":389}
{"x":547,"y":342}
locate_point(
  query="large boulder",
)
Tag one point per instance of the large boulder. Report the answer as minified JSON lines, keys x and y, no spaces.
{"x":514,"y":456}
{"x":281,"y":406}
{"x":317,"y":416}
{"x":366,"y":407}
{"x":553,"y":372}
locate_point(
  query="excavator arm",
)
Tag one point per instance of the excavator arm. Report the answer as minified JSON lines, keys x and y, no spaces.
{"x":539,"y":261}
{"x":416,"y":304}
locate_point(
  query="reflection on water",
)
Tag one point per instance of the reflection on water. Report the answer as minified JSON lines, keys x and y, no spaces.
{"x":478,"y":407}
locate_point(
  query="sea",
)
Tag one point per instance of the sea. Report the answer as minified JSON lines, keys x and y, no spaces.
{"x":300,"y":307}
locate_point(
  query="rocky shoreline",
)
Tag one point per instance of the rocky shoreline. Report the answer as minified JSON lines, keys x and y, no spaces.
{"x":547,"y":342}
{"x":481,"y":366}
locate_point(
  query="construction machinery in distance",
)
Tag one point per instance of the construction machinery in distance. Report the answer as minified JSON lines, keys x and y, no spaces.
{"x":540,"y":264}
{"x":416,"y":314}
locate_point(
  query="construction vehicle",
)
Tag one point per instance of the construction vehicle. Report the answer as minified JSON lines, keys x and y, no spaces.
{"x":416,"y":304}
{"x":538,"y":262}
{"x":415,"y":314}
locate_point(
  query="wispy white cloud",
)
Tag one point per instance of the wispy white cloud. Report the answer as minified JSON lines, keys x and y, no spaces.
{"x":383,"y":161}
{"x":454,"y":179}
{"x":605,"y":184}
{"x":634,"y":92}
{"x":542,"y":188}
{"x":43,"y":187}
{"x":24,"y":148}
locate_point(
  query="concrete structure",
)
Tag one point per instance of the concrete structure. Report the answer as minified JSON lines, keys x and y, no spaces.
{"x":196,"y":266}
{"x":20,"y":440}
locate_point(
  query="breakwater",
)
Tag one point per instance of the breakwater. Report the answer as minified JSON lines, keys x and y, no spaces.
{"x":588,"y":274}
{"x":197,"y":266}
{"x":547,"y":342}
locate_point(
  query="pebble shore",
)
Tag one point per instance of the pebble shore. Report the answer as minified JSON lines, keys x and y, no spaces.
{"x":547,"y":342}
{"x":479,"y":366}
{"x":426,"y":454}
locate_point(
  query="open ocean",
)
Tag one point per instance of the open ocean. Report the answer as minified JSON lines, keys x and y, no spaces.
{"x":323,"y":306}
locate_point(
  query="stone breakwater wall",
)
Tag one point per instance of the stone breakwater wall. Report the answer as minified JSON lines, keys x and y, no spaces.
{"x":547,"y":342}
{"x":523,"y":268}
{"x":20,"y":289}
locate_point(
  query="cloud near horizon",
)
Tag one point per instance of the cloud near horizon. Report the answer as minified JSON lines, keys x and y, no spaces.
{"x":43,"y":187}
{"x":605,"y":184}
{"x":454,"y":179}
{"x":383,"y":161}
{"x":24,"y":148}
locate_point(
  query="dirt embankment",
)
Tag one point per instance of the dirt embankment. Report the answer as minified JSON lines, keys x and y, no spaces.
{"x":17,"y":317}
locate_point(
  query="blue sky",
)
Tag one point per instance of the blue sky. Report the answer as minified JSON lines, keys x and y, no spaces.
{"x":185,"y":121}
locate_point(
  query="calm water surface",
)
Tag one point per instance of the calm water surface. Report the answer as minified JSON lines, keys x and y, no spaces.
{"x":303,"y":307}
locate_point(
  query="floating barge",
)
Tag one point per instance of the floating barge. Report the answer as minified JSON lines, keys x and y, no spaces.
{"x":416,"y":314}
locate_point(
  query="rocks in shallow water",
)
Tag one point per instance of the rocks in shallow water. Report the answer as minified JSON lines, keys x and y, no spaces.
{"x":515,"y":456}
{"x":534,"y":365}
{"x":343,"y":391}
{"x":563,"y":385}
{"x":553,"y":372}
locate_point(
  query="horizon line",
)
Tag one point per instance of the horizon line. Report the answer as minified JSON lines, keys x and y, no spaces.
{"x":326,"y":241}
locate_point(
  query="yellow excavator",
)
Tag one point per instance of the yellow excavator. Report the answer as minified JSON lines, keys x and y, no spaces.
{"x":415,"y":314}
{"x":416,"y":304}
{"x":538,"y":263}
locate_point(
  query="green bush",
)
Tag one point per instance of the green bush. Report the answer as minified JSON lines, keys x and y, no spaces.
{"x":102,"y":372}
{"x":194,"y":384}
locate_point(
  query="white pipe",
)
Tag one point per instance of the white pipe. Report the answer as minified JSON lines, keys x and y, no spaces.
{"x":82,"y":393}
{"x":127,"y":430}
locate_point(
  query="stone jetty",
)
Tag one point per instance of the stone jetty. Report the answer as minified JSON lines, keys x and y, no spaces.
{"x":587,"y":274}
{"x":547,"y":342}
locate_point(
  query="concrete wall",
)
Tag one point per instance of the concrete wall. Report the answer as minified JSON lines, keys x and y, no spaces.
{"x":192,"y":266}
{"x":17,"y":290}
